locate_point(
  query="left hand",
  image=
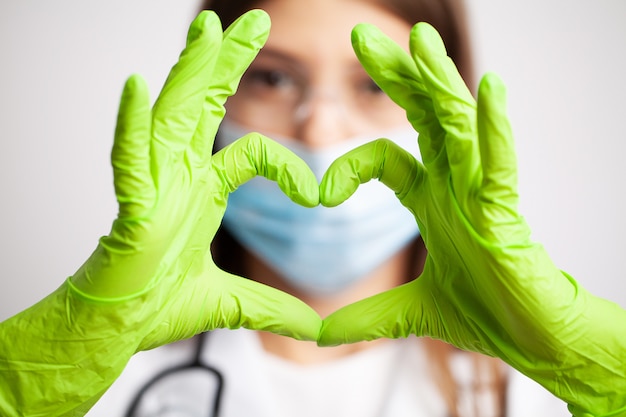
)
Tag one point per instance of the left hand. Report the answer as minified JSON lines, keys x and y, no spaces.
{"x":152,"y":280}
{"x":486,"y":286}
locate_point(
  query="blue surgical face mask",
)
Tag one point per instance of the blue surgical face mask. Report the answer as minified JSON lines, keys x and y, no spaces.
{"x":319,"y":250}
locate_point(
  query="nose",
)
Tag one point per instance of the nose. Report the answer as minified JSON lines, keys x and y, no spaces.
{"x":322,"y":120}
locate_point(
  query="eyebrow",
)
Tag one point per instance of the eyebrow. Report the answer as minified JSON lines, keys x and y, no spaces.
{"x":292,"y":62}
{"x":282,"y":57}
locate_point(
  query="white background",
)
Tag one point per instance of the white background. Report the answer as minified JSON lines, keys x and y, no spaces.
{"x":63,"y":64}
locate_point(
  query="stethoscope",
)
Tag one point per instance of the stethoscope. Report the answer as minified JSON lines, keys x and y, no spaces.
{"x":195,"y":364}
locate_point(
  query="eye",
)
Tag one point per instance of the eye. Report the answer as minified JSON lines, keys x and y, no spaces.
{"x":270,"y":78}
{"x":370,"y":86}
{"x":371,"y":100}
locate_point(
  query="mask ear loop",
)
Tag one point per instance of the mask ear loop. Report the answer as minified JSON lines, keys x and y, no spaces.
{"x":195,"y":363}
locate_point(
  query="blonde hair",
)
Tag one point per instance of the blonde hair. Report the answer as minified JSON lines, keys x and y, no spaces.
{"x":485,"y":396}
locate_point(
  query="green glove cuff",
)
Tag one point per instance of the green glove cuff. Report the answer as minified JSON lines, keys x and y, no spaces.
{"x":61,"y":354}
{"x":105,"y":300}
{"x":576,"y":412}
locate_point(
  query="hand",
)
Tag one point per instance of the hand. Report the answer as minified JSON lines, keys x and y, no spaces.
{"x":152,"y":280}
{"x":486,"y":286}
{"x":172,"y":193}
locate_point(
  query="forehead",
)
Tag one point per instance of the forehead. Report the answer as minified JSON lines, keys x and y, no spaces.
{"x":320,"y":29}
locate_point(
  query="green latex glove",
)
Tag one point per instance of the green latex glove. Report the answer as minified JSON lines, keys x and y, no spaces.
{"x":152,"y":280}
{"x":486,"y":286}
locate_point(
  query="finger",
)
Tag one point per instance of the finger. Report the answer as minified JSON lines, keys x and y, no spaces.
{"x":453,"y":104}
{"x":496,"y":144}
{"x":130,"y":155}
{"x":255,"y":154}
{"x":384,"y":315}
{"x":393,"y":69}
{"x":389,"y":65}
{"x":179,"y":106}
{"x":498,"y":192}
{"x":250,"y":304}
{"x":242,"y":41}
{"x":381,"y":159}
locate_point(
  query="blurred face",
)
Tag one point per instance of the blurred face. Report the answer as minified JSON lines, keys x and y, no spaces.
{"x":307,"y":84}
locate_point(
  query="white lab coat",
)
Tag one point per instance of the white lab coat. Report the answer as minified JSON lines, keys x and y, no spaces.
{"x":391,"y":379}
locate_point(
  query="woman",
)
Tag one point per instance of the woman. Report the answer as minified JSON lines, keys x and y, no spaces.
{"x":307,"y":90}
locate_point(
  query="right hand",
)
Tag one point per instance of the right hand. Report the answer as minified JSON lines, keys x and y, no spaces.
{"x":152,"y":280}
{"x":486,"y":286}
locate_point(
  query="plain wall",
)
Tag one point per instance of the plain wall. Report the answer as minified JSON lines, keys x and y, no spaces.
{"x":64,"y":64}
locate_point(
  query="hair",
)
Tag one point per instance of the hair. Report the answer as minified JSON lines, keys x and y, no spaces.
{"x":447,"y":16}
{"x":450,"y":19}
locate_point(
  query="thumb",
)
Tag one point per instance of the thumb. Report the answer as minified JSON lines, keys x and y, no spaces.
{"x":257,"y":306}
{"x":217,"y":299}
{"x":389,"y":314}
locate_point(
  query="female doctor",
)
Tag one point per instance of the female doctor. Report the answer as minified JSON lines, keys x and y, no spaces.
{"x":307,"y":90}
{"x":152,"y":280}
